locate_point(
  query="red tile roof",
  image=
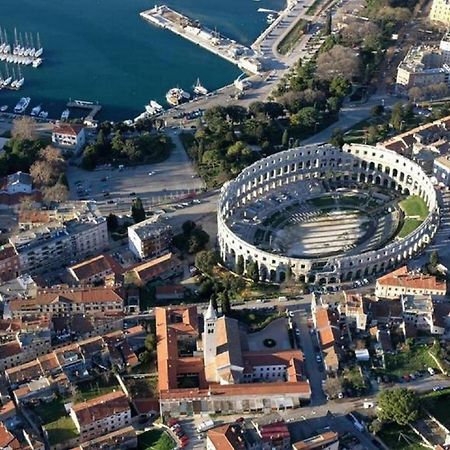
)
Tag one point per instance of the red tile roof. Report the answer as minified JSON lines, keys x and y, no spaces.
{"x":101,"y":407}
{"x":411,"y":280}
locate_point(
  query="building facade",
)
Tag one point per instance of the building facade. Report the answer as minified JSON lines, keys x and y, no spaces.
{"x":9,"y":263}
{"x":440,"y":11}
{"x":101,"y":415}
{"x":149,"y":238}
{"x":69,"y":136}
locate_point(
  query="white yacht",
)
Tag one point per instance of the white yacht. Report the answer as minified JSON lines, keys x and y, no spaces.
{"x":65,"y":114}
{"x":36,"y":110}
{"x":22,"y":105}
{"x":43,"y":114}
{"x":3,"y":108}
{"x":199,"y":89}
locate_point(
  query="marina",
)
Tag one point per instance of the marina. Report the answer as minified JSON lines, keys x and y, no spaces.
{"x":23,"y":51}
{"x":244,"y":57}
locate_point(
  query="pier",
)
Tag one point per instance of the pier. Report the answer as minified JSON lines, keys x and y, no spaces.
{"x":244,"y":57}
{"x":94,"y":108}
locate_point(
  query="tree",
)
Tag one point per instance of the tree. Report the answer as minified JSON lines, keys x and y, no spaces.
{"x":240,"y":265}
{"x":377,"y":110}
{"x":285,"y":138}
{"x":253,"y":270}
{"x":434,"y":259}
{"x":328,"y":24}
{"x":398,"y":405}
{"x":397,"y":116}
{"x":112,"y":222}
{"x":340,"y":87}
{"x":337,"y":138}
{"x":338,"y":62}
{"x":332,"y":387}
{"x":206,"y":260}
{"x":56,"y":193}
{"x":188,"y":226}
{"x":137,"y":210}
{"x":150,"y":343}
{"x":225,"y":304}
{"x":197,"y":240}
{"x":24,"y":128}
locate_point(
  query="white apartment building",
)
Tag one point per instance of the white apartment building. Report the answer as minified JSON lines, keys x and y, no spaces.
{"x":440,"y":11}
{"x":149,"y":238}
{"x":57,"y":243}
{"x":69,"y":136}
{"x":101,"y":415}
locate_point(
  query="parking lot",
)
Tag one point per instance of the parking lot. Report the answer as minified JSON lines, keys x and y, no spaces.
{"x":114,"y":188}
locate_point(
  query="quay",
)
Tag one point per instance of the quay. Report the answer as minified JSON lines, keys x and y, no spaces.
{"x":94,"y":108}
{"x":244,"y":57}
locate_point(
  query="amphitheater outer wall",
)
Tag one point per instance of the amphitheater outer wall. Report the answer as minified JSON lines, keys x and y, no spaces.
{"x":360,"y":163}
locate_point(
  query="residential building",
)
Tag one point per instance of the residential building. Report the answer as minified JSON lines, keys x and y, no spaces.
{"x":441,"y":169}
{"x":328,"y":440}
{"x":273,"y":431}
{"x":425,"y":313}
{"x":19,"y":183}
{"x":122,"y":439}
{"x":404,"y":282}
{"x":66,"y":302}
{"x":231,"y":436}
{"x":9,"y":263}
{"x":102,"y":269}
{"x":7,"y":440}
{"x":326,"y":323}
{"x":101,"y":415}
{"x":353,"y":310}
{"x":23,"y":286}
{"x":69,"y":136}
{"x":422,"y":67}
{"x":440,"y":12}
{"x":150,"y":238}
{"x":23,"y":348}
{"x":163,"y":267}
{"x":432,"y":138}
{"x":226,"y":375}
{"x":170,"y":292}
{"x":59,"y":242}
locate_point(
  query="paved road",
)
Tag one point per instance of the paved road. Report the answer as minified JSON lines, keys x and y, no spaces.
{"x":314,"y":370}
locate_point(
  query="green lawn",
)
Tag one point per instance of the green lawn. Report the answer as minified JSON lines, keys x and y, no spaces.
{"x":406,"y":362}
{"x":92,"y":389}
{"x":58,"y":424}
{"x":292,"y":38}
{"x":155,"y":440}
{"x":409,"y":225}
{"x":416,"y":211}
{"x":437,"y":404}
{"x":414,"y":206}
{"x":253,"y":318}
{"x":61,"y":430}
{"x":390,"y":435}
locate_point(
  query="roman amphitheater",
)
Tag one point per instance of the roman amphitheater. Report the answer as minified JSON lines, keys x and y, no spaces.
{"x":327,"y":215}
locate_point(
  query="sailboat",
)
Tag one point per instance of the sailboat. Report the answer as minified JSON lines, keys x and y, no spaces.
{"x":199,"y":89}
{"x":21,"y":80}
{"x":8,"y":78}
{"x":40,"y":50}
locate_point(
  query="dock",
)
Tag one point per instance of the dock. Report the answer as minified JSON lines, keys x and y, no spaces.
{"x":94,"y":108}
{"x":244,"y":57}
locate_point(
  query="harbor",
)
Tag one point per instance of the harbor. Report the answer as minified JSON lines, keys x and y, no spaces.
{"x":244,"y":57}
{"x":93,"y":108}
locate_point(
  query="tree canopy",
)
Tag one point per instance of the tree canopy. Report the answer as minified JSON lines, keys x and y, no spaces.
{"x":398,"y":405}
